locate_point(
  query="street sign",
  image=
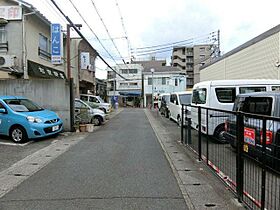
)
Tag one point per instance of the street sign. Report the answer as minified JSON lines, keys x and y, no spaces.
{"x":57,"y":44}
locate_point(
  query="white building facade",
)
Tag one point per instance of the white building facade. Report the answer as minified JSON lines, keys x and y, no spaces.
{"x":127,"y":90}
{"x":258,"y":58}
{"x":165,"y":79}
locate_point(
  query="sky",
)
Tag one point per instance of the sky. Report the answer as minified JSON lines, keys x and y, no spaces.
{"x":156,"y":22}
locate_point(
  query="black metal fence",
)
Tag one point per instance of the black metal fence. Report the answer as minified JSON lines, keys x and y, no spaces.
{"x":231,"y":144}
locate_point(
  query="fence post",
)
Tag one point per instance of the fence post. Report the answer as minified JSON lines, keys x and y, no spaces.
{"x":239,"y":156}
{"x":263,"y":164}
{"x":182,"y":124}
{"x":207,"y":140}
{"x":199,"y":133}
{"x":189,"y":131}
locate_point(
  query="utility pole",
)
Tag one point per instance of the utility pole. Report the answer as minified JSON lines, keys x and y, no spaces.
{"x":219,"y":51}
{"x":69,"y":76}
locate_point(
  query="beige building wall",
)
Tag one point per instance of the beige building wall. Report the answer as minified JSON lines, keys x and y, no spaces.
{"x":34,"y":27}
{"x":257,"y":61}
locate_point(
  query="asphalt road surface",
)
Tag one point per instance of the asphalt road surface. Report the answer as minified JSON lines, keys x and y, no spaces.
{"x":120,"y":166}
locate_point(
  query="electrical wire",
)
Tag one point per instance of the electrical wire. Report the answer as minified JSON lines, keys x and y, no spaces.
{"x":124,"y":29}
{"x":83,"y":37}
{"x":173,"y":43}
{"x":114,"y":44}
{"x":56,"y":12}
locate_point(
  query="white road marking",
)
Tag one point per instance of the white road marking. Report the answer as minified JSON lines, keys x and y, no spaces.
{"x":15,"y":144}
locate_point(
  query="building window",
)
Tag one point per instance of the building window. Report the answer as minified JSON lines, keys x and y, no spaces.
{"x":132,"y":71}
{"x":150,"y":80}
{"x":3,"y":39}
{"x":3,"y":35}
{"x":202,"y":57}
{"x":122,"y":84}
{"x":124,"y":71}
{"x":163,"y":81}
{"x":44,"y":47}
{"x":133,"y":84}
{"x":202,"y":49}
{"x":176,"y":82}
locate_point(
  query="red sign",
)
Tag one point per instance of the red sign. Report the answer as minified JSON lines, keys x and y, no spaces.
{"x":249,"y":136}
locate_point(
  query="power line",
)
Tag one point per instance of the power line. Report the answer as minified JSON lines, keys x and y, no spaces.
{"x":169,"y":48}
{"x":173,"y":43}
{"x":107,"y":30}
{"x":56,"y":12}
{"x":82,"y":36}
{"x":123,"y":26}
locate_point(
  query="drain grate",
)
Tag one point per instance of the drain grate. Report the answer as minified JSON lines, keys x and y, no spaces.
{"x":186,"y":169}
{"x":57,"y":150}
{"x":18,"y":174}
{"x":180,"y":160}
{"x":196,"y":184}
{"x":175,"y":152}
{"x":48,"y":155}
{"x":66,"y":144}
{"x":210,"y":205}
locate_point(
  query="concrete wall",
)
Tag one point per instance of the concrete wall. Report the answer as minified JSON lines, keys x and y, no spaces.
{"x":50,"y":94}
{"x":257,"y":61}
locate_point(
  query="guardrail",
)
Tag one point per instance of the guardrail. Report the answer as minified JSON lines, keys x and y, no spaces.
{"x":231,"y":144}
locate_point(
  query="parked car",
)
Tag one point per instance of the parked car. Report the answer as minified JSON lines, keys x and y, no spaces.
{"x":164,"y":103}
{"x":221,"y":94}
{"x":175,"y":105}
{"x":94,"y":116}
{"x":22,"y":119}
{"x":96,"y":102}
{"x":262,"y":103}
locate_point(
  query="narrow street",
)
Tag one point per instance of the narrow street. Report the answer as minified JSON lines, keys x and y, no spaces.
{"x":121,"y":166}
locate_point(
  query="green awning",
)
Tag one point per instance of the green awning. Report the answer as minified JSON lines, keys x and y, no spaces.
{"x":38,"y":70}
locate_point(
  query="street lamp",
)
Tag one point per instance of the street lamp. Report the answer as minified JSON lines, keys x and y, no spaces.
{"x":152,"y":71}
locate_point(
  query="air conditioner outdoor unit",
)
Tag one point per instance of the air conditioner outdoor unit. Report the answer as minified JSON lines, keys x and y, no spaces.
{"x":7,"y":60}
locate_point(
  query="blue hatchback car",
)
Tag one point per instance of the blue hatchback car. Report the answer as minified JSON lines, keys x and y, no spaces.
{"x":22,"y":119}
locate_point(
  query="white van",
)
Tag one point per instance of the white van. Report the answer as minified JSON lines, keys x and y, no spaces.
{"x":221,"y":94}
{"x":96,"y":102}
{"x":175,"y":105}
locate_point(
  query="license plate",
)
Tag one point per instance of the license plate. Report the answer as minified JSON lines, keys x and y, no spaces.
{"x":55,"y":128}
{"x":245,"y":147}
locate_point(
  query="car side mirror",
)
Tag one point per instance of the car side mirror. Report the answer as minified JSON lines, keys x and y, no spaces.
{"x":3,"y":111}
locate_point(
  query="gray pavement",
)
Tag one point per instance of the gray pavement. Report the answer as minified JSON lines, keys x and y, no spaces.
{"x":201,"y":189}
{"x":121,"y":166}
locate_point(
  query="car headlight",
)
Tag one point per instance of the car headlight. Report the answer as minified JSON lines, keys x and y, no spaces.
{"x":34,"y":119}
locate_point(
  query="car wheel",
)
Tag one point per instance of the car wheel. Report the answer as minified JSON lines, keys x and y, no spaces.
{"x":104,"y":110}
{"x":219,"y":134}
{"x":96,"y":120}
{"x":166,"y":114}
{"x":179,"y":121}
{"x":18,"y":134}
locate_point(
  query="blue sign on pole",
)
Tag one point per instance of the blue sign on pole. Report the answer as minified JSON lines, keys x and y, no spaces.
{"x":56,"y":46}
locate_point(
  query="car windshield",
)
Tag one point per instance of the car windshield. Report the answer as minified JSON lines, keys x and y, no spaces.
{"x":185,"y":98}
{"x":22,"y":105}
{"x":100,"y":99}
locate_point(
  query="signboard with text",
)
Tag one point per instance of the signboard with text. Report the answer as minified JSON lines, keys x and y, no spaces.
{"x":57,"y":44}
{"x":11,"y":12}
{"x":85,"y":60}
